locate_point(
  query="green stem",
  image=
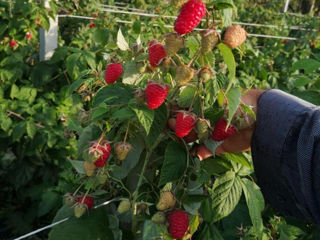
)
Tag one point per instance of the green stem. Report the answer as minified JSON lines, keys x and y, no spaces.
{"x":136,"y":193}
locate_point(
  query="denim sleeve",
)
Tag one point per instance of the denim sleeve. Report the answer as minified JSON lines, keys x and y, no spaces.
{"x":286,"y":154}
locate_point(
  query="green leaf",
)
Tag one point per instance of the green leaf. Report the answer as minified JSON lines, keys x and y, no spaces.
{"x":121,"y":41}
{"x":228,"y":58}
{"x":145,"y":116}
{"x":6,"y":123}
{"x":131,"y":73}
{"x":150,"y":230}
{"x":132,"y":159}
{"x":117,"y":94}
{"x":255,"y":202}
{"x":192,"y":45}
{"x":14,"y":91}
{"x":222,"y":4}
{"x":72,"y":64}
{"x":301,"y":81}
{"x":212,"y":145}
{"x":78,"y":166}
{"x":225,"y":194}
{"x":194,"y":223}
{"x":227,"y":17}
{"x":237,"y":158}
{"x":91,"y":59}
{"x":308,"y":95}
{"x":216,"y":166}
{"x":185,"y":97}
{"x":49,"y":200}
{"x":93,"y":225}
{"x":31,"y":129}
{"x":174,"y":164}
{"x":233,"y":97}
{"x":308,"y":65}
{"x":158,"y":124}
{"x":101,"y":36}
{"x":18,"y":131}
{"x":123,"y":114}
{"x":210,"y":232}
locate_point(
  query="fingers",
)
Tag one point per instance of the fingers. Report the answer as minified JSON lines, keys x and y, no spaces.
{"x":238,"y":142}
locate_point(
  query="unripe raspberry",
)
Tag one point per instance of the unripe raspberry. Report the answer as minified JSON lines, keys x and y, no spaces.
{"x":70,"y":199}
{"x":159,"y":217}
{"x":89,"y":168}
{"x":166,"y":201}
{"x":166,"y":64}
{"x":205,"y":74}
{"x":173,"y":42}
{"x":122,"y":149}
{"x":178,"y":224}
{"x":234,"y":36}
{"x":80,"y":209}
{"x":184,"y":74}
{"x":209,"y":39}
{"x":124,"y":206}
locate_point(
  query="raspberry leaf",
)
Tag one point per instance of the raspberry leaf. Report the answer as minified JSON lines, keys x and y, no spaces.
{"x":174,"y":163}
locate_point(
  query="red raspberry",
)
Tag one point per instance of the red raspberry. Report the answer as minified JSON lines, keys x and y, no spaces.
{"x":92,"y":25}
{"x":155,"y":94}
{"x":178,"y":224}
{"x":13,"y":43}
{"x":221,"y":132}
{"x":156,"y":53}
{"x":87,"y":201}
{"x":113,"y":72}
{"x":100,"y":153}
{"x":185,"y":122}
{"x":190,"y":16}
{"x":28,"y":35}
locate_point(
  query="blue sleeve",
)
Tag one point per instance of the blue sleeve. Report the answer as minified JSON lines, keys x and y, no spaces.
{"x":286,"y":154}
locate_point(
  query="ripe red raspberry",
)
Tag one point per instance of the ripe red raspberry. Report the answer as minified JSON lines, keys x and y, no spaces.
{"x":92,"y":25}
{"x":221,"y":132}
{"x":156,"y":53}
{"x":178,"y":224}
{"x":28,"y":35}
{"x":190,"y":16}
{"x":13,"y":43}
{"x":155,"y":94}
{"x":185,"y":122}
{"x":87,"y":201}
{"x":113,"y":72}
{"x":100,"y":153}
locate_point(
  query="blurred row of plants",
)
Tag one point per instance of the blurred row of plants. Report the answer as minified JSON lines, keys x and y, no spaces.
{"x":40,"y":120}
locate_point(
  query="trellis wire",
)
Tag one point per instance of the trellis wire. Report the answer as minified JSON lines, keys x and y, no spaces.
{"x":197,"y":29}
{"x":61,"y":221}
{"x":140,"y":12}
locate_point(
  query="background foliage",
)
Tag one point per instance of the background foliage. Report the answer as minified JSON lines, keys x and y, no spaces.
{"x":43,"y":112}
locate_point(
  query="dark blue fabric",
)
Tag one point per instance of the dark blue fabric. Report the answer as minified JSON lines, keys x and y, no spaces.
{"x":286,"y":154}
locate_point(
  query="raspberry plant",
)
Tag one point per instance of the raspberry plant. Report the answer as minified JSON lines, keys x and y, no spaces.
{"x":173,"y":94}
{"x":153,"y":107}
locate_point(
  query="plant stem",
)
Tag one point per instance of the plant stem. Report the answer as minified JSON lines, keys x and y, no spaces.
{"x":125,"y":137}
{"x":136,"y":193}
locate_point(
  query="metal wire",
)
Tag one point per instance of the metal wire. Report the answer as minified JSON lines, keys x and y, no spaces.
{"x":196,"y":29}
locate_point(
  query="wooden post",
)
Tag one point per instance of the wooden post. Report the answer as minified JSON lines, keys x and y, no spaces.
{"x":48,"y":39}
{"x":286,"y":6}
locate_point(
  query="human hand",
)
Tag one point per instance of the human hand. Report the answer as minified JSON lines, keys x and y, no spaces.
{"x":241,"y":140}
